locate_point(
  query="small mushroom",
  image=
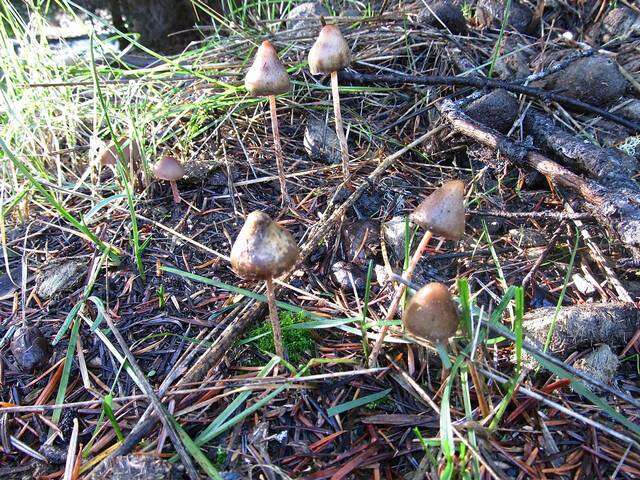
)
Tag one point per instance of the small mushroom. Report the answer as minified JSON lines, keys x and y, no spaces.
{"x":331,"y":53}
{"x":29,"y":347}
{"x":268,"y":77}
{"x":130,"y":151}
{"x":431,"y":314}
{"x":263,"y":251}
{"x":170,"y":169}
{"x":441,"y":213}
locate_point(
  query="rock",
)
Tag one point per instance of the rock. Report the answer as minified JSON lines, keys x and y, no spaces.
{"x":59,"y":276}
{"x":305,"y":18}
{"x":30,"y":349}
{"x":321,"y":141}
{"x":445,"y":12}
{"x":595,"y":80}
{"x":347,"y":274}
{"x":394,"y":232}
{"x":601,"y":364}
{"x":360,"y":240}
{"x":527,"y":237}
{"x":631,"y":110}
{"x":620,"y":22}
{"x":491,"y":12}
{"x":498,"y":110}
{"x":136,"y":467}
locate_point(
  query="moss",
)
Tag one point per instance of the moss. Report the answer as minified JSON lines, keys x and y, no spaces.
{"x":298,"y":343}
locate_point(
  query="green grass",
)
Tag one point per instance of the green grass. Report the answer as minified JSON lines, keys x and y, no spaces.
{"x":298,"y":343}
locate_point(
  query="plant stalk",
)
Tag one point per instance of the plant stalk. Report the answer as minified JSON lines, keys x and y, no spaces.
{"x":273,"y":316}
{"x":175,"y":192}
{"x":395,"y":302}
{"x":278,"y":150}
{"x":344,"y":147}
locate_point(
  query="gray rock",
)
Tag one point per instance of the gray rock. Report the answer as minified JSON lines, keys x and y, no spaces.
{"x":360,"y":240}
{"x":620,"y":22}
{"x":444,"y":12}
{"x":601,"y":364}
{"x":595,"y":80}
{"x":321,"y":141}
{"x":305,"y":17}
{"x":491,"y":12}
{"x":498,"y":110}
{"x":527,"y":237}
{"x":394,"y":235}
{"x":347,"y":274}
{"x":30,"y":349}
{"x":59,"y":276}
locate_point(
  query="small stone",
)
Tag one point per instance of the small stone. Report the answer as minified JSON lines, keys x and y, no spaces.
{"x":491,"y":12}
{"x":321,"y":141}
{"x":601,"y":364}
{"x":360,"y":240}
{"x":595,"y":80}
{"x":444,"y":12}
{"x":498,"y":110}
{"x":620,"y":22}
{"x":394,"y":232}
{"x":305,"y":17}
{"x":30,"y":349}
{"x":526,"y":237}
{"x":348,"y":274}
{"x":136,"y":467}
{"x":59,"y":276}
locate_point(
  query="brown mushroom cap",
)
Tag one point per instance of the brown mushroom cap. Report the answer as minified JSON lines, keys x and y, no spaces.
{"x":168,"y":168}
{"x":266,"y":76}
{"x":431,"y":314}
{"x":262,"y":249}
{"x":330,"y":53}
{"x":109,"y":153}
{"x":442,"y":212}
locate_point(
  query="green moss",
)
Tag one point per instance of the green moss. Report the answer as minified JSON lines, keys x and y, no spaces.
{"x":298,"y":343}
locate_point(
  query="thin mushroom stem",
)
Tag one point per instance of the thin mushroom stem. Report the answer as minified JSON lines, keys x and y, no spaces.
{"x":395,"y":302}
{"x":273,"y":316}
{"x":175,"y":192}
{"x":278,"y":149}
{"x":344,"y":147}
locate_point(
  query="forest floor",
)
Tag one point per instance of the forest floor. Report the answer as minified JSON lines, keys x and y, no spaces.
{"x":124,"y":301}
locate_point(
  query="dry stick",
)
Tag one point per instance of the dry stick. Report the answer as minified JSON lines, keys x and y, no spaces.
{"x":157,"y":404}
{"x":554,"y":238}
{"x":344,"y":147}
{"x":481,"y":82}
{"x":395,"y":303}
{"x":429,"y":401}
{"x":255,"y":309}
{"x":278,"y":149}
{"x":616,"y":209}
{"x":273,"y":316}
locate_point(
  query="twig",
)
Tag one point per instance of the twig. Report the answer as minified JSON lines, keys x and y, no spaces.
{"x":527,"y":278}
{"x":481,"y":82}
{"x":157,"y":404}
{"x":560,"y":216}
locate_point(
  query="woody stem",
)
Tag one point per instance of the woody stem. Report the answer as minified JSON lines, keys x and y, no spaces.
{"x":278,"y":150}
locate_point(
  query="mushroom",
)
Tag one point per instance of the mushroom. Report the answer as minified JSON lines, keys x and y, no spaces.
{"x":329,"y":54}
{"x":130,"y":151}
{"x":170,"y":169}
{"x":431,"y":314}
{"x":29,"y":347}
{"x":264,"y":251}
{"x":268,"y":77}
{"x":441,"y":213}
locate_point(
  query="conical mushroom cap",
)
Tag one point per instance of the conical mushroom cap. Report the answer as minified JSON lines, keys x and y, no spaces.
{"x":109,"y":153}
{"x":168,"y":168}
{"x":262,"y":249}
{"x":431,"y":314}
{"x":267,"y":76}
{"x":442,"y":212}
{"x":330,"y":53}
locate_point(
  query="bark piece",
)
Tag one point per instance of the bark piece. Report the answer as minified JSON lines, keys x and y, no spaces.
{"x":601,"y":364}
{"x":581,"y":326}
